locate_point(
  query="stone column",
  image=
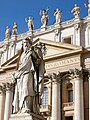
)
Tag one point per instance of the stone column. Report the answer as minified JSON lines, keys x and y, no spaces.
{"x":8,"y":103}
{"x":2,"y":102}
{"x":78,"y":102}
{"x":89,"y":94}
{"x":56,"y":113}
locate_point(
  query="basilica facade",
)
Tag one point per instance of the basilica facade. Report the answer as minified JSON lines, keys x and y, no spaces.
{"x":66,"y":92}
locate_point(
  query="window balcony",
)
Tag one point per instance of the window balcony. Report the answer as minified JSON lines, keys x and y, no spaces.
{"x":45,"y":109}
{"x":68,"y":106}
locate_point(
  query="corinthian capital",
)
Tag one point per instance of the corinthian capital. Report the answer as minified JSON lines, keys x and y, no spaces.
{"x":2,"y":89}
{"x":56,"y":77}
{"x":77,"y":73}
{"x":9,"y":86}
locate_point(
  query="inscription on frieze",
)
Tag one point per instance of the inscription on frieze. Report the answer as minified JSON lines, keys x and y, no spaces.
{"x":59,"y":63}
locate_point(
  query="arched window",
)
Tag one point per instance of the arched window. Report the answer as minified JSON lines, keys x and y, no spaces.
{"x":44,"y":100}
{"x":70,"y":92}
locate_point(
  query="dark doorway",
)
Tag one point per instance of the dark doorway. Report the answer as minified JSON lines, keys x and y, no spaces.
{"x":69,"y":118}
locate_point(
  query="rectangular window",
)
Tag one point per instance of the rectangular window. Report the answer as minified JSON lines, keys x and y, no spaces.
{"x":67,"y":40}
{"x":70,"y":95}
{"x":44,"y":100}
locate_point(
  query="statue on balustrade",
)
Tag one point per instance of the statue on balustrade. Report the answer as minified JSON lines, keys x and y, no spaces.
{"x":45,"y":17}
{"x":28,"y":78}
{"x":30,"y":23}
{"x":76,"y":11}
{"x":7,"y":33}
{"x":88,"y":7}
{"x":15,"y":29}
{"x":58,"y":14}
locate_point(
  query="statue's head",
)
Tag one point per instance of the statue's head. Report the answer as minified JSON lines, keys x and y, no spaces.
{"x":57,"y":10}
{"x":27,"y":43}
{"x":7,"y":27}
{"x":76,"y":5}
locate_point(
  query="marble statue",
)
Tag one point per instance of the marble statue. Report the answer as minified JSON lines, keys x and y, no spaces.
{"x":45,"y":17}
{"x":30,"y":23}
{"x":15,"y":29}
{"x":88,"y":7}
{"x":76,"y":11}
{"x":7,"y":33}
{"x":27,"y":78}
{"x":58,"y":15}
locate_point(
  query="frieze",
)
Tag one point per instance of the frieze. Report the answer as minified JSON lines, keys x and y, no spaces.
{"x":59,"y":63}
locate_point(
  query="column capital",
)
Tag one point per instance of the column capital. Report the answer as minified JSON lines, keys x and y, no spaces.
{"x":2,"y":89}
{"x":88,"y":73}
{"x":56,"y":77}
{"x":9,"y":87}
{"x":77,"y":73}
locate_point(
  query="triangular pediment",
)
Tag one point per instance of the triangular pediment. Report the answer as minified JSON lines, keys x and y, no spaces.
{"x":9,"y":64}
{"x":53,"y":49}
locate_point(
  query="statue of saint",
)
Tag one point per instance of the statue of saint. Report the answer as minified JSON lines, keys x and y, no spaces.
{"x":45,"y":17}
{"x":88,"y":7}
{"x":30,"y":23}
{"x":7,"y":33}
{"x":58,"y":15}
{"x":29,"y":70}
{"x":76,"y":11}
{"x":15,"y":29}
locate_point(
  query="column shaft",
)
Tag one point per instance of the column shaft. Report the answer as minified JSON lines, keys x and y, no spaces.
{"x":8,"y":104}
{"x":2,"y":105}
{"x":56,"y":101}
{"x":89,"y":98}
{"x":79,"y":107}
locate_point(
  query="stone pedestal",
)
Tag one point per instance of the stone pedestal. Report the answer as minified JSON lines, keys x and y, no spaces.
{"x":26,"y":116}
{"x":43,"y":28}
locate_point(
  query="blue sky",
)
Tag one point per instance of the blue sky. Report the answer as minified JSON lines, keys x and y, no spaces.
{"x":17,"y":10}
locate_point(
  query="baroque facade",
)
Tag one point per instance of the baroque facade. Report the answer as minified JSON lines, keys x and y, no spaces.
{"x":66,"y":94}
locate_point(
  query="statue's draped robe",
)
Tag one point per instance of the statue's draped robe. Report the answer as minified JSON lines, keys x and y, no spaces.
{"x":39,"y":67}
{"x":24,"y":86}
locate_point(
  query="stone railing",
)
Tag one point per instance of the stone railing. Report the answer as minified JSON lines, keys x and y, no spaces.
{"x":68,"y":106}
{"x":45,"y":109}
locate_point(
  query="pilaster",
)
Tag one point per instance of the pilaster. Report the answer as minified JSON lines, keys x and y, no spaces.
{"x":57,"y":32}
